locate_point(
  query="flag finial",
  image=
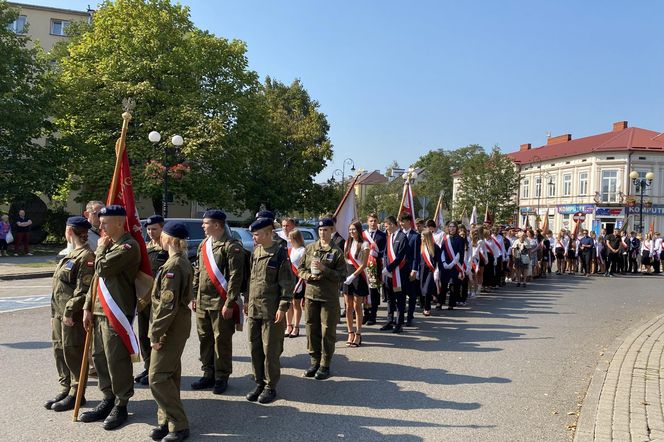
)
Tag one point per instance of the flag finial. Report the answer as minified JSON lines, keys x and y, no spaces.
{"x":128,"y":105}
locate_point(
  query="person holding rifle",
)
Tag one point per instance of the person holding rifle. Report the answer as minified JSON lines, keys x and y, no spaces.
{"x":108,"y":314}
{"x":71,"y":282}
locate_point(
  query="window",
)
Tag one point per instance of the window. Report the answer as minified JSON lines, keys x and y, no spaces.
{"x":642,"y":176}
{"x":525,"y":189}
{"x":567,"y":184}
{"x":59,"y":27}
{"x":583,"y":183}
{"x":538,"y":187}
{"x":18,"y":25}
{"x":552,"y":186}
{"x":609,"y":186}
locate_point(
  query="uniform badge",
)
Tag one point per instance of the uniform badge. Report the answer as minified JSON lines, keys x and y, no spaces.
{"x":126,"y":246}
{"x":69,"y":265}
{"x":329,"y":257}
{"x":169,"y":275}
{"x":167,"y":296}
{"x":90,"y":263}
{"x":87,"y":279}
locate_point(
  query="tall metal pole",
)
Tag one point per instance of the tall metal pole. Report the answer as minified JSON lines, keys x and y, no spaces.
{"x":164,"y":204}
{"x":642,"y":189}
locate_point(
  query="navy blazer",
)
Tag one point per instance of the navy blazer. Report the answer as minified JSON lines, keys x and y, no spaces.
{"x":427,"y":283}
{"x":381,"y":242}
{"x":401,"y":252}
{"x":414,"y":242}
{"x":458,"y":246}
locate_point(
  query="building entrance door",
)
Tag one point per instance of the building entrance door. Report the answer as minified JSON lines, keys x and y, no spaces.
{"x":608,"y":226}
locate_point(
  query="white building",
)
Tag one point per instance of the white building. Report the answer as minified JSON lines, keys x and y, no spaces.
{"x":591,"y":175}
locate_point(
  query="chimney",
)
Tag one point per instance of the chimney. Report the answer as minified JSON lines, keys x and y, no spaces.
{"x":558,"y":139}
{"x":619,"y":125}
{"x":526,"y":146}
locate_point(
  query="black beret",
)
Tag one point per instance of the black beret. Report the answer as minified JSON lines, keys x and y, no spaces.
{"x":176,"y":229}
{"x":326,"y":222}
{"x":215,"y":214}
{"x":113,"y":210}
{"x":78,"y":221}
{"x":154,"y":219}
{"x":261,"y":223}
{"x":265,"y":214}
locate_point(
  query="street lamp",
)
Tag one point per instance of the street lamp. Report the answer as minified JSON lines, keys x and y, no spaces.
{"x":351,"y":163}
{"x":169,"y":152}
{"x":641,"y":184}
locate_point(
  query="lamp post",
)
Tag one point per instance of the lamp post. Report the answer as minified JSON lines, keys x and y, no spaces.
{"x":641,"y":185}
{"x":169,"y":152}
{"x":351,"y":163}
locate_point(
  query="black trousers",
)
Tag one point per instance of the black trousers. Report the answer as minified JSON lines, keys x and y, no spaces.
{"x":413,"y":292}
{"x":396,"y":304}
{"x":464,"y":290}
{"x":614,"y":262}
{"x":451,"y":278}
{"x":498,"y":272}
{"x":585,"y":261}
{"x":489,"y":273}
{"x":371,"y":311}
{"x":655,"y":265}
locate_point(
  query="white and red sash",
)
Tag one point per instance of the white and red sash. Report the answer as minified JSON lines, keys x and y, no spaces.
{"x":497,"y":243}
{"x":219,"y":282}
{"x":426,"y":257}
{"x":391,"y":256}
{"x":352,"y":260}
{"x":295,"y":263}
{"x":449,"y":251}
{"x":117,"y":318}
{"x":373,"y":247}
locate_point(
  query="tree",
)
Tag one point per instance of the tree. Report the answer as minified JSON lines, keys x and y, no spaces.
{"x":489,"y":180}
{"x":26,"y":90}
{"x":383,"y":199}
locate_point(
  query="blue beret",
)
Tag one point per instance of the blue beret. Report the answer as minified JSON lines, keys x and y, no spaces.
{"x":265,"y":214}
{"x":261,"y":223}
{"x":78,"y":221}
{"x":215,"y":214}
{"x":154,"y":219}
{"x":113,"y":210}
{"x":326,"y":222}
{"x":176,"y":229}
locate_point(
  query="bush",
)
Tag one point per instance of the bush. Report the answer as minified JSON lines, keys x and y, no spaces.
{"x":54,"y":225}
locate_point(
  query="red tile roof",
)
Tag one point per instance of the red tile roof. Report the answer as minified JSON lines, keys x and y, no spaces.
{"x":629,"y":139}
{"x":374,"y":177}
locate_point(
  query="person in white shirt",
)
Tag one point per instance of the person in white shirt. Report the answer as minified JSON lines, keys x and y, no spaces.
{"x":657,"y":253}
{"x":355,"y":288}
{"x":646,"y":253}
{"x":294,"y":314}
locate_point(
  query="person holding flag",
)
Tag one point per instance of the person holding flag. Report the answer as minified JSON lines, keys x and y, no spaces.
{"x":114,"y":344}
{"x":217,"y":283}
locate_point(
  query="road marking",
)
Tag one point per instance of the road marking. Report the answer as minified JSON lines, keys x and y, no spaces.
{"x":16,"y":303}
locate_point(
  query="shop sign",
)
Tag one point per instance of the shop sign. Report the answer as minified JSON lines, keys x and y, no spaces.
{"x":610,"y":212}
{"x":568,"y":209}
{"x":656,"y":210}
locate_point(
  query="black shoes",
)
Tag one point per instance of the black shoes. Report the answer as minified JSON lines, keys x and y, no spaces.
{"x":371,"y":322}
{"x":267,"y":396}
{"x":158,"y":433}
{"x":322,"y":373}
{"x":397,"y":329}
{"x":220,"y":385}
{"x":202,"y":383}
{"x":176,"y":436}
{"x":98,"y":413}
{"x":409,"y":323}
{"x":117,"y":417}
{"x":387,"y":326}
{"x":66,"y":404}
{"x":311,"y":371}
{"x":145,"y":380}
{"x":255,"y":394}
{"x":140,"y":377}
{"x":49,"y":403}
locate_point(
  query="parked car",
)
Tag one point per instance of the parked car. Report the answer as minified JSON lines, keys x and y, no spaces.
{"x":244,"y":236}
{"x":308,"y":234}
{"x":196,"y":234}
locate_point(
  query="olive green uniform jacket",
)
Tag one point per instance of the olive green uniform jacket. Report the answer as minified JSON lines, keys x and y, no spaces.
{"x":325,"y":286}
{"x":271,"y":282}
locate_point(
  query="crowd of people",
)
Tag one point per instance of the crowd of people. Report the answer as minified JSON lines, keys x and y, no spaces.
{"x":404,"y":262}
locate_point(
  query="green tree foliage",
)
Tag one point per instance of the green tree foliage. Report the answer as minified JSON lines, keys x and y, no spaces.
{"x":383,"y":199}
{"x":488,"y":179}
{"x":189,"y":82}
{"x":26,"y":89}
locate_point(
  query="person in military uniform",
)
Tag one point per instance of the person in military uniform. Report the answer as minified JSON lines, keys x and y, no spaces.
{"x":323,"y":268}
{"x":271,"y":286}
{"x":217,"y":284}
{"x":71,"y":282}
{"x":116,"y":264}
{"x":170,"y":325}
{"x":158,"y":257}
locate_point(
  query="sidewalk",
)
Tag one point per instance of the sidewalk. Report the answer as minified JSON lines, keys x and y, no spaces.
{"x":26,"y":267}
{"x":624,"y":400}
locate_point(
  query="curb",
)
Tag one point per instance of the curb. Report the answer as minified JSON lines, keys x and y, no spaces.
{"x":585,"y":429}
{"x":44,"y":274}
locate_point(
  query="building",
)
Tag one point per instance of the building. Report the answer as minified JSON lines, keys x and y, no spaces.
{"x":590,"y":175}
{"x":365,"y":181}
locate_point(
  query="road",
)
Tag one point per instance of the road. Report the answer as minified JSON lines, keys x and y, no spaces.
{"x":512,"y":367}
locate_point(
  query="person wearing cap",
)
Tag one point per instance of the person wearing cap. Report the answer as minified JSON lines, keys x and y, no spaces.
{"x":218,"y":280}
{"x":323,"y":269}
{"x":170,"y":326}
{"x":271,"y":286}
{"x":71,"y":281}
{"x":157,"y":256}
{"x":116,"y":264}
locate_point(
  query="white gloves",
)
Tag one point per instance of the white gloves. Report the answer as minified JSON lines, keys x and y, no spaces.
{"x":386,"y":273}
{"x":436,"y":275}
{"x":350,"y":279}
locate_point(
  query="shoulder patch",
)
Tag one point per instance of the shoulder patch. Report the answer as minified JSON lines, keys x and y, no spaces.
{"x":167,"y":296}
{"x":169,"y":275}
{"x":90,"y":263}
{"x":127,"y":246}
{"x":87,"y":279}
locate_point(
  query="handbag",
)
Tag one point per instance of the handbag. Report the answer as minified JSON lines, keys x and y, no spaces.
{"x":9,"y":237}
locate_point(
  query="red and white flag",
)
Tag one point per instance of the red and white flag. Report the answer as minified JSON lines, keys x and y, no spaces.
{"x":473,"y":216}
{"x":407,"y":204}
{"x":346,"y":212}
{"x":438,"y":215}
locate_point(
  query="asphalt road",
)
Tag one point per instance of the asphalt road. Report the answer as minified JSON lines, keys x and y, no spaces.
{"x":509,"y":368}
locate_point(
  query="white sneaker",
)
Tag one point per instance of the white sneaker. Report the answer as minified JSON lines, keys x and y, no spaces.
{"x":29,"y":254}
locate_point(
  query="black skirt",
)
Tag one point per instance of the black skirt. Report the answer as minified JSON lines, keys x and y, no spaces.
{"x":560,"y":253}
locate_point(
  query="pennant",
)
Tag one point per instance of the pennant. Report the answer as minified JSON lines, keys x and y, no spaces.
{"x":346,"y":212}
{"x":488,"y":218}
{"x":473,"y":216}
{"x":438,"y":215}
{"x":407,"y":204}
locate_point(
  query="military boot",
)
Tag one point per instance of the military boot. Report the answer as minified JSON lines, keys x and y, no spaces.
{"x":67,"y":403}
{"x":176,"y":436}
{"x":158,"y":433}
{"x":60,"y":396}
{"x":99,"y":412}
{"x":117,"y":417}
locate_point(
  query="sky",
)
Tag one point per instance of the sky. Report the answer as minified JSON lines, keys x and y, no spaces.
{"x":399,"y":78}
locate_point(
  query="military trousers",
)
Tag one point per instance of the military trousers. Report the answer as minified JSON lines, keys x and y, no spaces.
{"x":266,"y":340}
{"x":112,"y":361}
{"x":165,"y":374}
{"x":215,"y":335}
{"x":321,"y":320}
{"x":143,"y":339}
{"x":68,"y":343}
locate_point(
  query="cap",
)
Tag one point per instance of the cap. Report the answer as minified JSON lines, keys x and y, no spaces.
{"x":261,"y":223}
{"x":154,"y":219}
{"x":113,"y":210}
{"x":326,"y":222}
{"x":176,"y":229}
{"x":78,"y":221}
{"x":265,"y":214}
{"x":215,"y":214}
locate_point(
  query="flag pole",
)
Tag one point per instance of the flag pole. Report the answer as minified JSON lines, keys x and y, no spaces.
{"x":351,"y":187}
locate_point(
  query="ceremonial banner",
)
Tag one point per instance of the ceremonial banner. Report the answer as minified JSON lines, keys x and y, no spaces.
{"x":407,"y":204}
{"x":473,"y":216}
{"x":346,"y":212}
{"x":438,"y":215}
